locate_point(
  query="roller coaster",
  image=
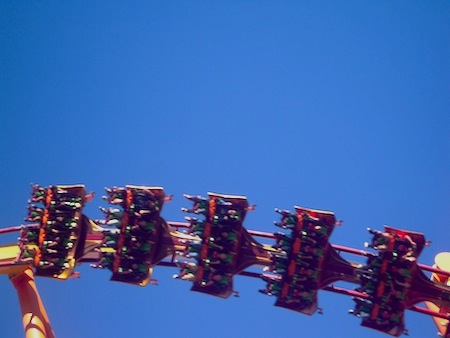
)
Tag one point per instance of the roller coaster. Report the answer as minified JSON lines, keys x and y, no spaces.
{"x":212,"y":245}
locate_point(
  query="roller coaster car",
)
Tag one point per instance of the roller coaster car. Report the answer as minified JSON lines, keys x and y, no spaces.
{"x":61,"y":224}
{"x":140,"y":230}
{"x":304,"y":260}
{"x":221,"y":242}
{"x":388,"y":278}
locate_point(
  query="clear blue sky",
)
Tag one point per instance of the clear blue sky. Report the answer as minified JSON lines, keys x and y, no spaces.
{"x":332,"y":105}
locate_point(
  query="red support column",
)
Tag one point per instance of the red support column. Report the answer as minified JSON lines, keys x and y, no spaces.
{"x":34,"y":317}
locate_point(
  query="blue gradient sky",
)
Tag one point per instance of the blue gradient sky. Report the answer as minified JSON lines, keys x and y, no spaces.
{"x":328,"y":105}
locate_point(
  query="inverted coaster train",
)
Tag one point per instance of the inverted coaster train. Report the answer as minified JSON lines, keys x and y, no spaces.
{"x":213,"y":246}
